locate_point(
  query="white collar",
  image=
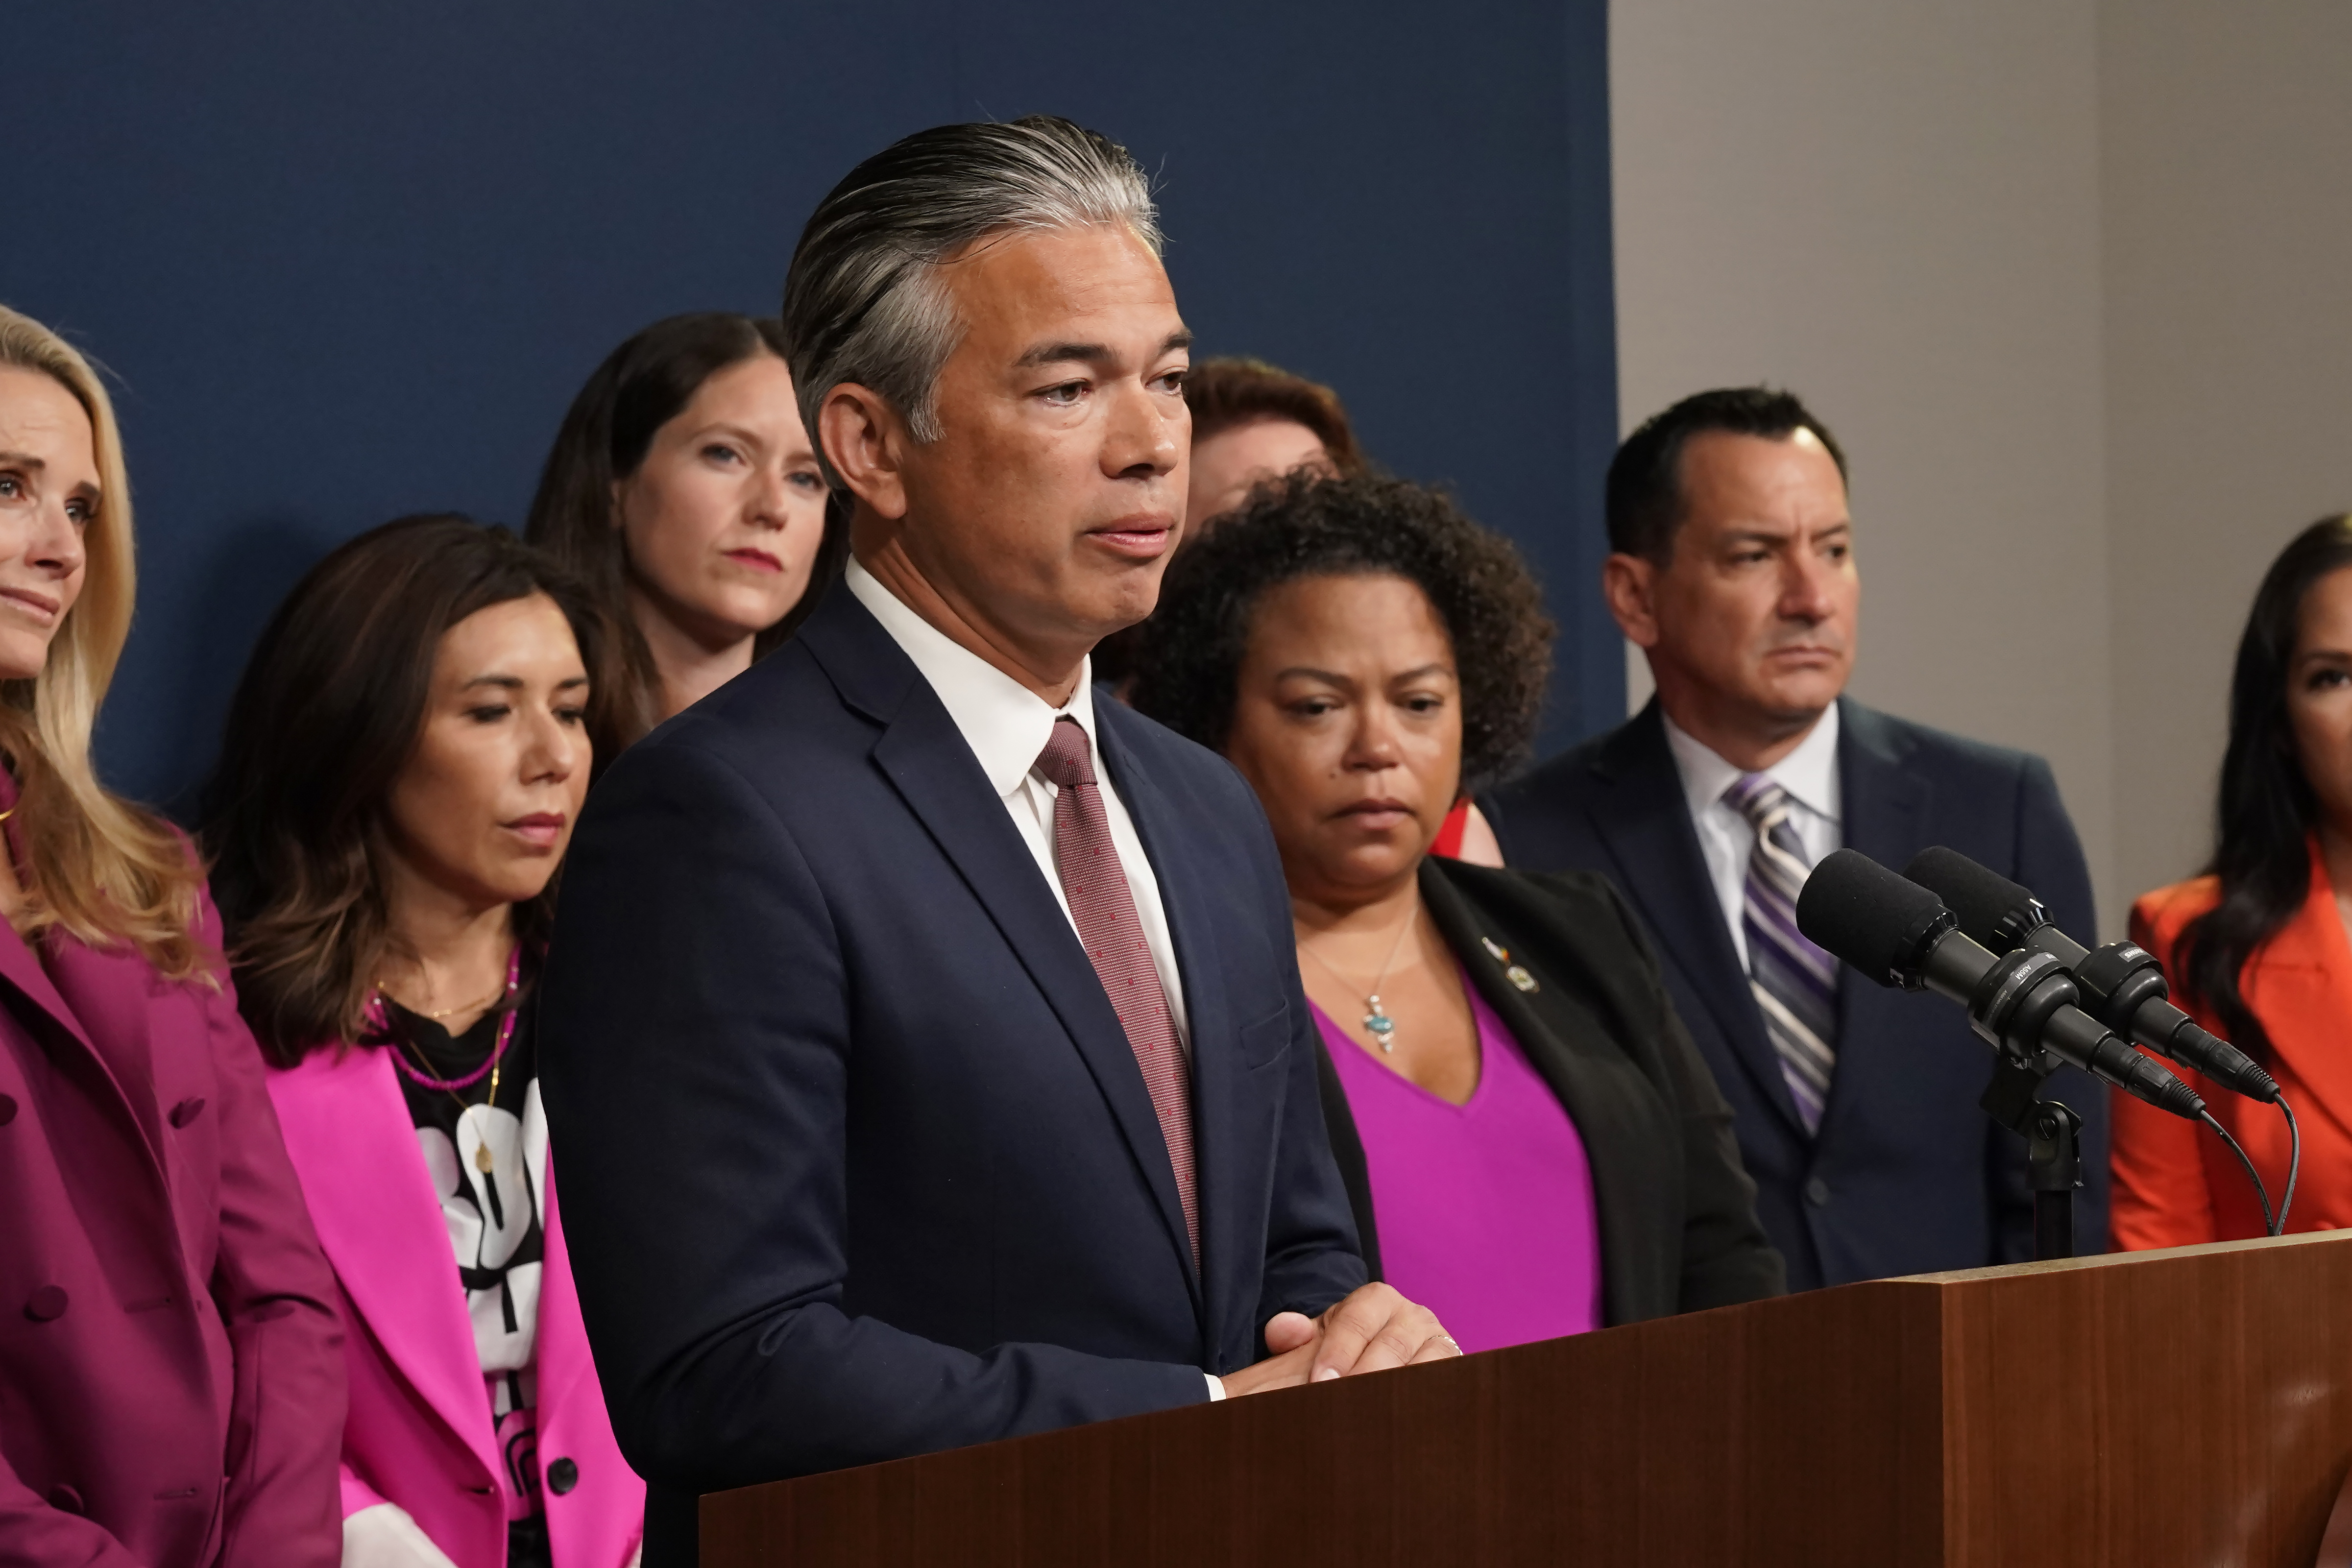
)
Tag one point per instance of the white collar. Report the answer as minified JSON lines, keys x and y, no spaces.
{"x":1810,"y":773}
{"x":1005,"y":724}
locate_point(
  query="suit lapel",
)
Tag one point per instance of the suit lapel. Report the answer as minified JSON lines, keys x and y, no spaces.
{"x":122,"y":1061}
{"x":558,"y":1343}
{"x":1644,"y":819}
{"x":353,"y":1146}
{"x":108,"y":994}
{"x":1882,"y":809}
{"x":926,"y":760}
{"x":1616,"y":1114}
{"x":2301,"y":987}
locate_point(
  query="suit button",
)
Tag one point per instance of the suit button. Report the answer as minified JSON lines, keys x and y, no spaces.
{"x":1817,"y":1193}
{"x":47,"y":1304}
{"x":185,"y":1112}
{"x":7,"y":1110}
{"x":562,"y":1476}
{"x":64,"y":1500}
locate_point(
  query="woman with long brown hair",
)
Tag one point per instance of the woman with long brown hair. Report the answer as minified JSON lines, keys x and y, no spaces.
{"x":156,"y":1250}
{"x":2257,"y":948}
{"x":684,"y":491}
{"x":406,"y":757}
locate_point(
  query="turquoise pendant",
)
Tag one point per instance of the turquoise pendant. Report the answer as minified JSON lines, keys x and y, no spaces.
{"x":1379,"y":1026}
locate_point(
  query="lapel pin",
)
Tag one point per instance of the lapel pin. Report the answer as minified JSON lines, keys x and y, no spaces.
{"x":1518,"y":976}
{"x":1502,"y":955}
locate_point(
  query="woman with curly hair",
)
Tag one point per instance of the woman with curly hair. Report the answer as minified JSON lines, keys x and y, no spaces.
{"x":1530,"y":1140}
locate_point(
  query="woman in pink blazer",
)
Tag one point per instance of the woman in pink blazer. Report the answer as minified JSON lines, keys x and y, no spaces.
{"x":404,"y":759}
{"x":171,"y":1376}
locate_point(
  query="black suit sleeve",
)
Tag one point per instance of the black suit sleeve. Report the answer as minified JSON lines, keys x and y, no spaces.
{"x":1726,"y":1257}
{"x":696,"y":1044}
{"x":2050,"y":862}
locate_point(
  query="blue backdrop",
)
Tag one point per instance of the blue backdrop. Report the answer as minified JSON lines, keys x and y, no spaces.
{"x":346,"y":266}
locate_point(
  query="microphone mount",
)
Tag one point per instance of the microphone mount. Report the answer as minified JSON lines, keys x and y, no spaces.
{"x":2009,"y":1011}
{"x":2023,"y":1003}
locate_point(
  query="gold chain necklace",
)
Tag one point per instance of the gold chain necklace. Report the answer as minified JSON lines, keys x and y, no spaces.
{"x":385,"y":992}
{"x":1377,"y":1021}
{"x":484,"y":1161}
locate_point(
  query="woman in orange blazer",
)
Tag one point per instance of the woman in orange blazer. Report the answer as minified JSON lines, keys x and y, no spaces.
{"x":2257,"y":949}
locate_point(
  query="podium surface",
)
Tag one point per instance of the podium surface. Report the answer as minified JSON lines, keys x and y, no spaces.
{"x":2186,"y":1407}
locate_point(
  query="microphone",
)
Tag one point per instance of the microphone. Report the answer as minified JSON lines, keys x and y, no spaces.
{"x":2122,"y":984}
{"x":1900,"y":934}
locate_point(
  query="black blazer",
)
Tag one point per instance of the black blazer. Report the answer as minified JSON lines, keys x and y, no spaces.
{"x":857,"y":1161}
{"x":1907,"y":1176}
{"x":1678,"y":1226}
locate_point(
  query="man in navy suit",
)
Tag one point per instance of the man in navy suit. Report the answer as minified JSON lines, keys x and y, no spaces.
{"x":1856,"y":1107}
{"x":924,"y":1041}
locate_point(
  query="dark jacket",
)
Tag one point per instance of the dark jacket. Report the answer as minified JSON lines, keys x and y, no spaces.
{"x":170,"y":1364}
{"x":860,"y":1163}
{"x":1678,"y":1227}
{"x":1906,"y":1174}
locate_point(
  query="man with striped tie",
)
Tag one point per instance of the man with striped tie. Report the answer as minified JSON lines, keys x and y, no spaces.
{"x":1733,"y":569}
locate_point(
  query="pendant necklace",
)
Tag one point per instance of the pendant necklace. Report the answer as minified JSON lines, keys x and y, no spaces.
{"x":1377,"y":1023}
{"x":484,"y":1161}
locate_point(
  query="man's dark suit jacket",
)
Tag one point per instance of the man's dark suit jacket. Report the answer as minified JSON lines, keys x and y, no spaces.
{"x":857,"y":1160}
{"x":1907,"y":1175}
{"x":1678,"y":1227}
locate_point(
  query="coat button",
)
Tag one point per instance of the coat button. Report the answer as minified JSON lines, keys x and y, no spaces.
{"x":185,"y":1112}
{"x":1817,"y":1193}
{"x":47,"y":1304}
{"x":64,"y":1500}
{"x":562,"y":1476}
{"x":7,"y":1110}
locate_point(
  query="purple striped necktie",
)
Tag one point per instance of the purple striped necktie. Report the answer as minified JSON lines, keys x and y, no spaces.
{"x":1103,"y":908}
{"x":1794,"y":982}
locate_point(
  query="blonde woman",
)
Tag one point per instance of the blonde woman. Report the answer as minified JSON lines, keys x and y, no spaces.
{"x":157,"y":1250}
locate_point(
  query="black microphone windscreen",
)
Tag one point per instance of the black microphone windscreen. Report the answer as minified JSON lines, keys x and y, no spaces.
{"x":1983,"y":901}
{"x":1858,"y":910}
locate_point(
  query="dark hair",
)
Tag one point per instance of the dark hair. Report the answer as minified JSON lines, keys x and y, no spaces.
{"x":864,"y":301}
{"x":2263,"y":821}
{"x":641,"y":386}
{"x":1226,"y":392}
{"x":326,"y":715}
{"x":1645,"y":478}
{"x":1187,"y":674}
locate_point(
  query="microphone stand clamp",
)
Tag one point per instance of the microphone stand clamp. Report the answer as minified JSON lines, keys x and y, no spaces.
{"x":2054,"y":1156}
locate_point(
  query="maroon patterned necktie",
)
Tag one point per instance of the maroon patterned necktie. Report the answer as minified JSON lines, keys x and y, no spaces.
{"x":1104,"y":910}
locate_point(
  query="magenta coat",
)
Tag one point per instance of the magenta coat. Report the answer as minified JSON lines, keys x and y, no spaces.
{"x":420,"y":1433}
{"x":171,"y":1363}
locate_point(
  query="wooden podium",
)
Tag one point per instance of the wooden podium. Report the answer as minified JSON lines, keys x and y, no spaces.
{"x":2183,"y":1408}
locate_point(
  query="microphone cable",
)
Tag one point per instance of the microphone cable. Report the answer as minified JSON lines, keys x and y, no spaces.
{"x":2269,"y":1225}
{"x":2294,"y":1161}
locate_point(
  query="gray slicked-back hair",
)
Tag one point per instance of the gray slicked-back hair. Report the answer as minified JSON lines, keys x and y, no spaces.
{"x":864,"y":301}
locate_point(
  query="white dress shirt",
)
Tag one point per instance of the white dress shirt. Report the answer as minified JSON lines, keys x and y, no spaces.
{"x":1809,"y":774}
{"x":1007,"y":725}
